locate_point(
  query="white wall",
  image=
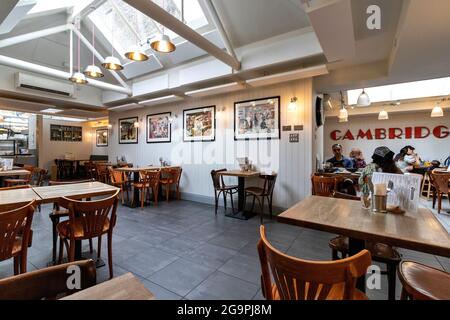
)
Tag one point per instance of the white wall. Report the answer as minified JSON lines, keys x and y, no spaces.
{"x":50,"y":150}
{"x":430,"y":148}
{"x":292,"y":161}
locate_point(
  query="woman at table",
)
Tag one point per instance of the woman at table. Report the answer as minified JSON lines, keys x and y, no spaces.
{"x":358,"y":159}
{"x":383,"y":161}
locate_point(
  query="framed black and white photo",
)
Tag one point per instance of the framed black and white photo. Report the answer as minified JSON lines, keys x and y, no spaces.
{"x":159,"y":128}
{"x":128,"y":131}
{"x":199,"y":124}
{"x":101,"y":137}
{"x":257,"y":119}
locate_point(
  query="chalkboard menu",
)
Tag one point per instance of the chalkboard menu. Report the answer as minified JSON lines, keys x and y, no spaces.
{"x":66,"y":133}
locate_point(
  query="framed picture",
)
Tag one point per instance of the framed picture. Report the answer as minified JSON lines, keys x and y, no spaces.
{"x":159,"y":128}
{"x":128,"y":133}
{"x":199,"y":124}
{"x":257,"y":119}
{"x":101,"y":137}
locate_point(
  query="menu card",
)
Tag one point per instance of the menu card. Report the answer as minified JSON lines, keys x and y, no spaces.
{"x":406,"y":190}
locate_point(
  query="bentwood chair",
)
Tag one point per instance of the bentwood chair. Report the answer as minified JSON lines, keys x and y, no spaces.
{"x":58,"y":213}
{"x":323,"y":186}
{"x":102,"y":172}
{"x":260,"y":194}
{"x":169,"y":177}
{"x":380,"y":252}
{"x":87,"y":220}
{"x":421,"y":282}
{"x":15,"y":234}
{"x":91,"y":171}
{"x":440,"y":182}
{"x":48,"y":283}
{"x":298,"y":279}
{"x":25,"y":179}
{"x":221,"y":188}
{"x":118,"y":180}
{"x":149,"y":180}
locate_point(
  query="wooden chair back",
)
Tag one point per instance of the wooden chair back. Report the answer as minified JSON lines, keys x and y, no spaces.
{"x":47,"y":283}
{"x":217,"y":179}
{"x":341,"y":195}
{"x":91,"y":215}
{"x":38,"y":176}
{"x":14,"y":222}
{"x":440,"y":181}
{"x":151,"y":178}
{"x":172,"y":175}
{"x":269,"y":183}
{"x":117,"y":177}
{"x":297,"y":279}
{"x":323,"y":186}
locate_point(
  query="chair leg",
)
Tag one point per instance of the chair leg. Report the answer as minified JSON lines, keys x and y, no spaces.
{"x":155,"y":195}
{"x":225,"y":200}
{"x":71,"y":251}
{"x":232,"y":204}
{"x":404,"y":295}
{"x":391,"y":274}
{"x":253,"y":204}
{"x":216,"y":202}
{"x":121,"y":191}
{"x":262,"y":209}
{"x":439,"y":202}
{"x":110,"y":264}
{"x":55,"y":221}
{"x":99,"y":247}
{"x":142,"y":197}
{"x":61,"y":250}
{"x":16,"y":265}
{"x":167,"y":192}
{"x":334,"y":255}
{"x":23,"y":262}
{"x":269,"y":199}
{"x":178,"y":191}
{"x":91,"y":248}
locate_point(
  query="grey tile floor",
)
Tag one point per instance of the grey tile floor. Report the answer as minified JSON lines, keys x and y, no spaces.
{"x":181,"y":250}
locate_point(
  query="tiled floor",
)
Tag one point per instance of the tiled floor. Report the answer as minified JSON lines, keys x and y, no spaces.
{"x":180,"y":250}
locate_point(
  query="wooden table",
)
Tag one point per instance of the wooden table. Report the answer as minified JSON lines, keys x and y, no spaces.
{"x":12,"y":173}
{"x":18,"y":196}
{"x":125,"y":287}
{"x":419,"y":231}
{"x":241,"y":175}
{"x":136,"y":171}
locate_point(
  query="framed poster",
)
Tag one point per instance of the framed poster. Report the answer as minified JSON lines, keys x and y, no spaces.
{"x":101,"y":137}
{"x":199,"y":124}
{"x":257,"y":119}
{"x":159,"y":128}
{"x":128,"y":133}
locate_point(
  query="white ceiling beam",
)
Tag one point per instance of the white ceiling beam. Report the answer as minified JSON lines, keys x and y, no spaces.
{"x":33,"y":35}
{"x":218,"y":23}
{"x":289,"y":76}
{"x":160,"y":15}
{"x":27,"y":66}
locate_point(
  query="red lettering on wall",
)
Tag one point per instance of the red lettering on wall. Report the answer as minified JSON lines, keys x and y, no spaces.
{"x":395,"y":133}
{"x":334,"y":134}
{"x":362,"y":134}
{"x":439,"y":133}
{"x":408,"y":133}
{"x":348,"y":136}
{"x":380,"y":133}
{"x":418,"y":132}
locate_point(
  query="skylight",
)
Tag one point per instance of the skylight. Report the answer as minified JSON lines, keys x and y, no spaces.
{"x":129,"y":26}
{"x":50,"y":5}
{"x":403,"y":91}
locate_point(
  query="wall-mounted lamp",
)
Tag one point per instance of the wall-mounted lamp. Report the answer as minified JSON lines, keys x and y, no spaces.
{"x":293,"y":104}
{"x":172,"y":118}
{"x":136,"y":124}
{"x":383,"y":115}
{"x":110,"y":126}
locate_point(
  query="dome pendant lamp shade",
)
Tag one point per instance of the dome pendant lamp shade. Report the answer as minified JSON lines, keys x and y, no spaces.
{"x":383,"y":115}
{"x":363,"y":99}
{"x":112,"y":63}
{"x":437,"y":111}
{"x":92,"y":71}
{"x":78,"y":78}
{"x":135,"y":53}
{"x":162,"y":43}
{"x":343,"y":115}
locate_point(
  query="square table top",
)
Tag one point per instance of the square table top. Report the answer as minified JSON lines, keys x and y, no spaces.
{"x":146,"y":168}
{"x":239,"y":173}
{"x":19,"y":172}
{"x":419,"y":231}
{"x":17,"y":196}
{"x":77,"y":190}
{"x":124,"y":287}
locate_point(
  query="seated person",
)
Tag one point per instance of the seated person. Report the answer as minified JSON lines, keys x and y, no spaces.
{"x":407,"y":159}
{"x":357,"y":158}
{"x":339,"y":161}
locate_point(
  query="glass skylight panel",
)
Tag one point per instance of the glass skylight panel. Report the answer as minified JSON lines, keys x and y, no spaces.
{"x":403,"y":91}
{"x":48,"y":5}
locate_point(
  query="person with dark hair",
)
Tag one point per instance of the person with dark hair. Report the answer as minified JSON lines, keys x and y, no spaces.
{"x":339,"y":161}
{"x":383,"y":161}
{"x":407,"y":159}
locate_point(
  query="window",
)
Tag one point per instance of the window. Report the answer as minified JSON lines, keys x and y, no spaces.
{"x":49,"y":5}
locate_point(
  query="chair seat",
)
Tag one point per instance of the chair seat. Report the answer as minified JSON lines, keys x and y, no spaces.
{"x":380,"y":251}
{"x":167,"y":181}
{"x":427,"y":283}
{"x":227,"y":188}
{"x":336,"y":293}
{"x":140,"y":185}
{"x":62,"y":229}
{"x":255,"y":190}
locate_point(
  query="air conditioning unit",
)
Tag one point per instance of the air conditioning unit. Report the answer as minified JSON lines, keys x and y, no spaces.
{"x":45,"y":85}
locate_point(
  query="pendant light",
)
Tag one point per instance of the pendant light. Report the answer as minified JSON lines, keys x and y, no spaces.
{"x":135,"y":52}
{"x":78,"y":77}
{"x":92,"y":70}
{"x":162,"y":42}
{"x":437,"y":111}
{"x":343,"y":113}
{"x":383,"y":115}
{"x":111,"y":62}
{"x":363,"y":99}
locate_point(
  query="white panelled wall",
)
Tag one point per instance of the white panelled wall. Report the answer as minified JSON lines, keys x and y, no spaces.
{"x":292,"y":161}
